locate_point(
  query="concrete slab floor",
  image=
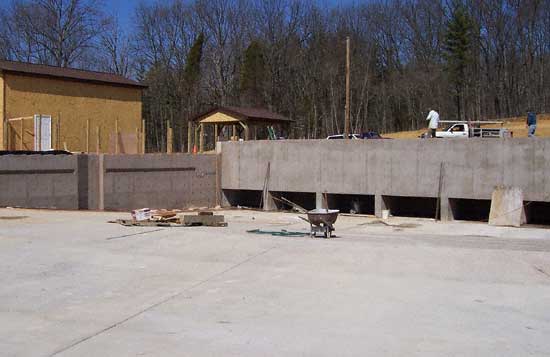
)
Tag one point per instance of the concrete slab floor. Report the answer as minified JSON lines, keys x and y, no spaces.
{"x":74,"y":285}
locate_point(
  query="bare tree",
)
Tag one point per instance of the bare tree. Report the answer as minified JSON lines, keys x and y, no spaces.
{"x":57,"y":32}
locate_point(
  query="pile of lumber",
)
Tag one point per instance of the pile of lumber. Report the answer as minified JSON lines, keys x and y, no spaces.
{"x":172,"y":218}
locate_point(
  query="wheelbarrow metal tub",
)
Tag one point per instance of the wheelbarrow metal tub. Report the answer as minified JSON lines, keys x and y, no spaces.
{"x":322,"y":221}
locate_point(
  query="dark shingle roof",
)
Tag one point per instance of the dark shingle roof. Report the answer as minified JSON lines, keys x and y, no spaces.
{"x":67,"y":73}
{"x":250,"y":114}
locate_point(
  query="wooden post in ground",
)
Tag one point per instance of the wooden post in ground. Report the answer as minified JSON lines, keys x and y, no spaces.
{"x":348,"y":65}
{"x":201,"y":138}
{"x":143,"y":134}
{"x":189,"y":137}
{"x":58,"y":131}
{"x":169,"y":138}
{"x":215,"y":135}
{"x":87,"y":135}
{"x":138,"y":141}
{"x":22,"y":128}
{"x":98,"y":141}
{"x":196,"y":140}
{"x":116,"y":136}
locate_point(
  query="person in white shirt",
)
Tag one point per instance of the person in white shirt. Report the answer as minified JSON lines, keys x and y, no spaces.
{"x":433,"y":117}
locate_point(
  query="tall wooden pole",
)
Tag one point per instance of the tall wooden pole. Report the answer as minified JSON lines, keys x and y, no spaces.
{"x":348,"y":65}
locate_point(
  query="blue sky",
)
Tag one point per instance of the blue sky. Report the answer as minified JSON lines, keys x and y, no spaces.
{"x":125,"y":8}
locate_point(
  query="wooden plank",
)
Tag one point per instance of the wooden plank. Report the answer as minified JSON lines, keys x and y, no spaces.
{"x":20,"y":118}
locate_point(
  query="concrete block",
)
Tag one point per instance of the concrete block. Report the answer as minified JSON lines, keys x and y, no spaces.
{"x":379,"y":205}
{"x":507,"y":207}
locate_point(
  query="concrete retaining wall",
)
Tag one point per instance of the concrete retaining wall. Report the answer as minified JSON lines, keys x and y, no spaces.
{"x":471,"y":168}
{"x":39,"y":181}
{"x":160,"y":181}
{"x":112,"y":182}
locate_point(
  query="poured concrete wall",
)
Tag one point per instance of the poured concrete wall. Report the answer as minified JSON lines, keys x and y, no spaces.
{"x":112,"y":182}
{"x":39,"y":181}
{"x":159,"y":181}
{"x":471,"y":168}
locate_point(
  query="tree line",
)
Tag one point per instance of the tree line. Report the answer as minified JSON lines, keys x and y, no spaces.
{"x":469,"y":59}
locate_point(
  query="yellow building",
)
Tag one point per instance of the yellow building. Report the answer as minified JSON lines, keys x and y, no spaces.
{"x":45,"y":107}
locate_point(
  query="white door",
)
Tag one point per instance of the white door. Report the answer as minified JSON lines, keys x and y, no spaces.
{"x":42,"y":132}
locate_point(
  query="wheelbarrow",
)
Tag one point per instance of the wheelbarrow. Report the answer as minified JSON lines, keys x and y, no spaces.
{"x":322,"y":221}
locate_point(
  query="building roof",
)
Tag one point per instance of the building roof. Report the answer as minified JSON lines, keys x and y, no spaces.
{"x":246,"y":114}
{"x":67,"y":73}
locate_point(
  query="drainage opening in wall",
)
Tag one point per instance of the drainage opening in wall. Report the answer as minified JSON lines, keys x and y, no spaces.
{"x":423,"y":207}
{"x":360,"y":204}
{"x":537,"y":212}
{"x":470,"y":210}
{"x":303,"y":199}
{"x":243,"y":198}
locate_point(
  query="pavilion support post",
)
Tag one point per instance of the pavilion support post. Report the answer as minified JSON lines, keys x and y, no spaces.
{"x":246,"y":131}
{"x":201,"y":138}
{"x":215,"y":134}
{"x":234,"y":136}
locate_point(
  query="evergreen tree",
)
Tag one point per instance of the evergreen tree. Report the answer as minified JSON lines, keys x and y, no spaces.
{"x":253,"y":74}
{"x":458,"y":52}
{"x":192,"y":69}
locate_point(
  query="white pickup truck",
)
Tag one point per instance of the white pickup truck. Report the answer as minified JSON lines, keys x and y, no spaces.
{"x":466,"y":130}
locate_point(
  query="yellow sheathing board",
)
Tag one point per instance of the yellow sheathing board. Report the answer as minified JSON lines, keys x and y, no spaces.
{"x":74,"y":102}
{"x":219,"y":118}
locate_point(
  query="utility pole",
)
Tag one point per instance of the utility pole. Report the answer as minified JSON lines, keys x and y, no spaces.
{"x":347,"y":118}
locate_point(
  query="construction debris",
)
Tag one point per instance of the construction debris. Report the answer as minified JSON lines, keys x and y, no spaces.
{"x":207,"y":219}
{"x":146,"y":217}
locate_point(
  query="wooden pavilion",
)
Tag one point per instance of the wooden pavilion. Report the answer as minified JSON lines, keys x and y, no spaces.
{"x":240,"y":120}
